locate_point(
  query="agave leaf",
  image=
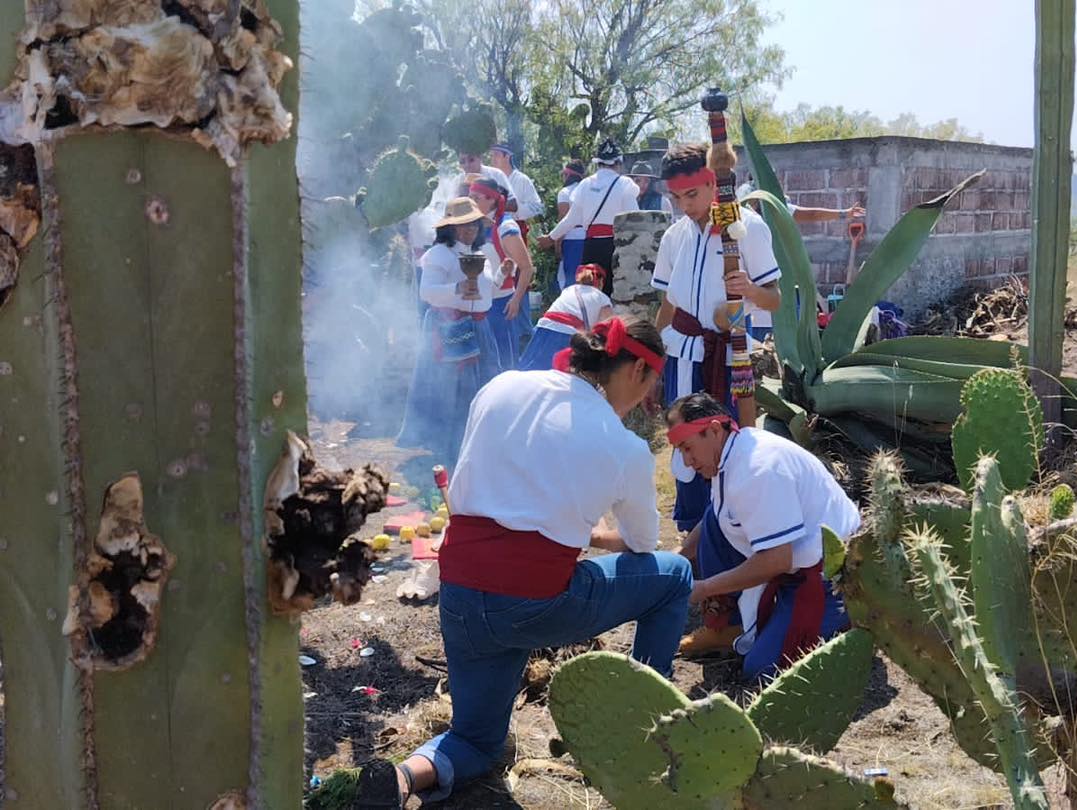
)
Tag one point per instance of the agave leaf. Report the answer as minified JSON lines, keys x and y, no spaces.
{"x":973,"y":351}
{"x":769,"y":397}
{"x":955,"y":371}
{"x":923,"y":465}
{"x":886,"y":264}
{"x":881,"y":391}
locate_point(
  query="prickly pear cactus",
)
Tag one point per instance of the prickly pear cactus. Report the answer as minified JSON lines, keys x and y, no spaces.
{"x":834,"y":675}
{"x":713,"y":747}
{"x":153,"y":360}
{"x":400,"y":183}
{"x":1003,"y":417}
{"x":790,"y":779}
{"x":471,"y":131}
{"x":998,"y":700}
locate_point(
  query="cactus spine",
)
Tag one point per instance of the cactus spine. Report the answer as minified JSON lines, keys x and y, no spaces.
{"x":155,"y":330}
{"x":998,"y":701}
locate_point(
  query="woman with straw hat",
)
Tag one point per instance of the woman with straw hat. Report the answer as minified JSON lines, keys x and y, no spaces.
{"x":457,"y":351}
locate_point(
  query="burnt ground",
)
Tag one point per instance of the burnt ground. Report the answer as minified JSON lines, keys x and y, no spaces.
{"x":898,"y":727}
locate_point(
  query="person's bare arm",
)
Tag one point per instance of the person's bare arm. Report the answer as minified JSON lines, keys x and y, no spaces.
{"x":804,"y":215}
{"x":766,"y":296}
{"x":665,"y":314}
{"x":517,"y":251}
{"x":690,"y":546}
{"x":761,"y":567}
{"x":605,"y":537}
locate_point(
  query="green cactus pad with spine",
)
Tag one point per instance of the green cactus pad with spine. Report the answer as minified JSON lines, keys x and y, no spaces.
{"x":1002,"y":417}
{"x":999,"y":702}
{"x":834,"y":675}
{"x":604,"y":706}
{"x":833,"y":553}
{"x":399,"y":184}
{"x":789,"y":779}
{"x":1062,"y":500}
{"x":713,"y":747}
{"x":1000,"y":576}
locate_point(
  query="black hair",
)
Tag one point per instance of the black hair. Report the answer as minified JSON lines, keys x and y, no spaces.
{"x":697,"y":406}
{"x":589,"y":349}
{"x":445,"y":235}
{"x":685,"y":158}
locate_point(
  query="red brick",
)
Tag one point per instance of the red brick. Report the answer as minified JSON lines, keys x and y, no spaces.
{"x":1022,"y":201}
{"x":983,"y":222}
{"x":965,"y":223}
{"x":1022,"y":180}
{"x":1004,"y":180}
{"x":812,"y":229}
{"x":946,"y":224}
{"x":926,"y":178}
{"x":1004,"y":265}
{"x":849,"y":178}
{"x":1000,"y":221}
{"x":818,"y":199}
{"x":909,"y":199}
{"x":987,"y":201}
{"x":1020,"y":265}
{"x":806,"y":180}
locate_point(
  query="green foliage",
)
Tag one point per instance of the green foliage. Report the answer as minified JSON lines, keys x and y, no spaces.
{"x":337,"y":792}
{"x":643,"y":744}
{"x":1062,"y":500}
{"x":1003,"y":417}
{"x":835,"y":675}
{"x":833,"y":553}
{"x":471,"y":131}
{"x":400,"y":184}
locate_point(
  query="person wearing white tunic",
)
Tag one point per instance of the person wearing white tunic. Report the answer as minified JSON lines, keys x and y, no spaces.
{"x":595,"y":204}
{"x":511,"y":575}
{"x":690,"y":273}
{"x":457,"y":350}
{"x":473,"y":166}
{"x":759,"y":548}
{"x":571,"y":246}
{"x":577,"y":309}
{"x":528,"y":204}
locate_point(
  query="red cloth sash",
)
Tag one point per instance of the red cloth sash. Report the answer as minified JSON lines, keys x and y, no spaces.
{"x":565,"y":318}
{"x":600,"y":232}
{"x":714,"y":346}
{"x":809,"y":604}
{"x":481,"y":554}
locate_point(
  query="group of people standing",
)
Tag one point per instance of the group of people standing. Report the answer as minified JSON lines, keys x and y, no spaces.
{"x":545,"y":456}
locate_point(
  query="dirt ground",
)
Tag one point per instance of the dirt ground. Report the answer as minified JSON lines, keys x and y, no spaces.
{"x":898,"y":727}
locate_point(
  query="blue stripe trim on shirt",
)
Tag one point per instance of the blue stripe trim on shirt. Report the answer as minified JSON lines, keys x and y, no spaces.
{"x":771,"y":272}
{"x":776,"y":535}
{"x":657,"y":282}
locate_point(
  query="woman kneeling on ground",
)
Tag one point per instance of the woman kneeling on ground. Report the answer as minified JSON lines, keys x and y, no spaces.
{"x":576,"y":309}
{"x":510,"y":578}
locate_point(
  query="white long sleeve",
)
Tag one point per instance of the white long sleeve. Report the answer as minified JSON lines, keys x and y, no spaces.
{"x":529,"y":205}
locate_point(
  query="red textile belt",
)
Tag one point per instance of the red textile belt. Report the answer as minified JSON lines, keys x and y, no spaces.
{"x":714,"y":346}
{"x":600,"y":232}
{"x":565,"y":318}
{"x":481,"y":554}
{"x":809,"y":604}
{"x":459,"y":314}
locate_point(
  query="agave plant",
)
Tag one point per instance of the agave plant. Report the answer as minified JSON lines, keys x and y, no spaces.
{"x":911,"y":385}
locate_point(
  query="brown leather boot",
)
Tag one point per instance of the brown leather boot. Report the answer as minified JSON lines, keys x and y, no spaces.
{"x":706,"y":640}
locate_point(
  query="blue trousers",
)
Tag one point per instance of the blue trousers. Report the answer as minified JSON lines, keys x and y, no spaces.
{"x":571,"y":255}
{"x":506,"y":333}
{"x":715,"y":555}
{"x":488,"y":639}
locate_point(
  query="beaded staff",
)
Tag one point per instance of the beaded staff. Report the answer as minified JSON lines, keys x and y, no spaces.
{"x":725,"y":220}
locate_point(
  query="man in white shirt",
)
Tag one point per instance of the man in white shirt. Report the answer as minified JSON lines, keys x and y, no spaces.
{"x":690,"y":272}
{"x":759,"y":549}
{"x":528,"y":204}
{"x":473,"y":165}
{"x":598,"y":199}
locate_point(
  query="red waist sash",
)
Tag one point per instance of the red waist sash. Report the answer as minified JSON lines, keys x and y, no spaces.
{"x":809,"y":604}
{"x":714,"y":346}
{"x":600,"y":232}
{"x":481,"y":554}
{"x":565,"y":318}
{"x":459,"y":314}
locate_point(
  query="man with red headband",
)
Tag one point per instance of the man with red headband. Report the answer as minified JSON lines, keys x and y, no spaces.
{"x":690,"y":272}
{"x":759,"y":547}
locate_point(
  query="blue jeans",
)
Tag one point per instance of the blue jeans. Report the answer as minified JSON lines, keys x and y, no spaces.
{"x":488,"y":639}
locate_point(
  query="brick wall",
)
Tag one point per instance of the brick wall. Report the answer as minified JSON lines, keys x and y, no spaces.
{"x":983,"y":237}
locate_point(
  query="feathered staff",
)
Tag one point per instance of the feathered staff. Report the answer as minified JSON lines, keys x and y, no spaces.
{"x":725,"y":220}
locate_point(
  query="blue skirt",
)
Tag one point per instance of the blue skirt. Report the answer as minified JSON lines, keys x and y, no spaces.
{"x":571,"y":256}
{"x":538,"y":356}
{"x":506,"y":336}
{"x":435,"y":413}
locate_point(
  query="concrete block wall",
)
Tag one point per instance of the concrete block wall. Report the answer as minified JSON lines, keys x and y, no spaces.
{"x":983,"y":237}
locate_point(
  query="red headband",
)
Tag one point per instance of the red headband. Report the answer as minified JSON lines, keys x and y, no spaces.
{"x":683,"y":430}
{"x":617,"y":340}
{"x":682,"y":182}
{"x":597,"y":270}
{"x":485,"y":191}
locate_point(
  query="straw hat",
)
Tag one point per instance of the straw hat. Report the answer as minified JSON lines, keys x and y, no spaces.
{"x":460,"y":211}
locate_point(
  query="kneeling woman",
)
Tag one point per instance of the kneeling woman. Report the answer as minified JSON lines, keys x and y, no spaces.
{"x":511,"y":581}
{"x":457,"y":351}
{"x":575,"y":310}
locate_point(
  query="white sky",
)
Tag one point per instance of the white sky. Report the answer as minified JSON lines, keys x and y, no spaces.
{"x":965,"y":59}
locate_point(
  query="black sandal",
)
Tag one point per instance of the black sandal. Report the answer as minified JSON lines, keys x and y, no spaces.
{"x":379,"y":787}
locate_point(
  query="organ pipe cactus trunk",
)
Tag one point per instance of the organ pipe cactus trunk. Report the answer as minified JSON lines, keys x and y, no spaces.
{"x":152,"y":363}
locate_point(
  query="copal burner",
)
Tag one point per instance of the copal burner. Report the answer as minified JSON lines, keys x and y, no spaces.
{"x":472,"y":264}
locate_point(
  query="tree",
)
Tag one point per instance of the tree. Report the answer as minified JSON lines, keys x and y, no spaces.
{"x":807,"y":123}
{"x":639,"y":63}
